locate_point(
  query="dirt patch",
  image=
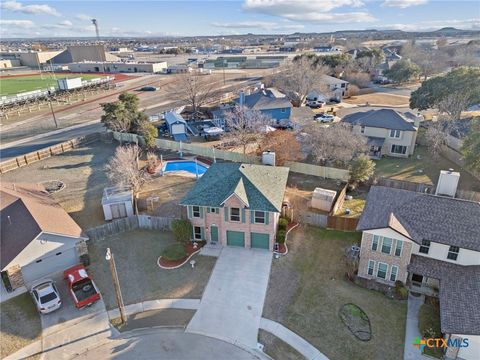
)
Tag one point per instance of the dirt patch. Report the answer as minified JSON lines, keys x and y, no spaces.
{"x":356,"y":321}
{"x":378,"y":99}
{"x":276,"y":348}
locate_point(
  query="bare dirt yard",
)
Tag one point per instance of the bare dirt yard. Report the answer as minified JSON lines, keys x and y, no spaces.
{"x":378,"y":99}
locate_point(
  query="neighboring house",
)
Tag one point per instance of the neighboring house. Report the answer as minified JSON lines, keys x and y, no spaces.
{"x":432,"y":244}
{"x":391,"y":58}
{"x":388,"y":131}
{"x":237,"y":204}
{"x":269,"y":102}
{"x":332,"y":88}
{"x":38,"y":237}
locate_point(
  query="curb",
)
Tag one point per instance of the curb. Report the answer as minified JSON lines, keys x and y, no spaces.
{"x":178,"y":266}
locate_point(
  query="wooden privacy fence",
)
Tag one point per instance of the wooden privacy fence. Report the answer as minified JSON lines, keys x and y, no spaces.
{"x":314,"y":219}
{"x":135,"y":222}
{"x":406,"y":185}
{"x":342,"y":223}
{"x":211,"y":152}
{"x":34,"y":156}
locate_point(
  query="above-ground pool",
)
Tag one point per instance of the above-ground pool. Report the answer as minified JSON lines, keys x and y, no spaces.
{"x":190,"y":166}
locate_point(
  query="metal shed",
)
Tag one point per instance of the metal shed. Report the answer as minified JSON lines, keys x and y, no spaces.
{"x":117,"y":202}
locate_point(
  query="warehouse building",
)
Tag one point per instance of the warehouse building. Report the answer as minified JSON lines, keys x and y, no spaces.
{"x":117,"y":67}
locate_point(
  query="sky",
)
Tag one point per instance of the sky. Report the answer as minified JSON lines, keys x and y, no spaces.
{"x":68,"y":18}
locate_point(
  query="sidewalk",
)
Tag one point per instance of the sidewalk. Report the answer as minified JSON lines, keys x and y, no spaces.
{"x":411,"y":330}
{"x":292,"y":339}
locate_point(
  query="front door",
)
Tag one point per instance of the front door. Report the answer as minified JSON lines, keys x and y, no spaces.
{"x":213,"y":233}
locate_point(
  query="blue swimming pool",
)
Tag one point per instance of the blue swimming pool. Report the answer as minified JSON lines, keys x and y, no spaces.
{"x":190,"y":166}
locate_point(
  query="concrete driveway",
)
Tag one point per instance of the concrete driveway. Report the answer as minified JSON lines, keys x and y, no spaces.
{"x":232,"y":304}
{"x":168,"y":344}
{"x":69,"y":331}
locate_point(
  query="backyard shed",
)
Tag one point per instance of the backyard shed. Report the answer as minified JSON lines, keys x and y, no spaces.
{"x":117,"y":202}
{"x":323,"y":199}
{"x":177,"y":126}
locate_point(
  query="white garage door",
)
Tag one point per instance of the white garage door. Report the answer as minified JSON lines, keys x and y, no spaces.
{"x":49,"y":265}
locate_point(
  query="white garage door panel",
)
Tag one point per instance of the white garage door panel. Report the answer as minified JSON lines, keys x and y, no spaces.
{"x":50,"y":265}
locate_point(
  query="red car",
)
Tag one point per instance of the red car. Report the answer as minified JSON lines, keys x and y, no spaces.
{"x":81,"y":287}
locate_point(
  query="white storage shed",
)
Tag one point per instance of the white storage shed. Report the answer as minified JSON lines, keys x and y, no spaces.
{"x":323,"y":199}
{"x":117,"y":202}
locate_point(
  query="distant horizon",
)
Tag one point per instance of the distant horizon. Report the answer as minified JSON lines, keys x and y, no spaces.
{"x":41,"y":19}
{"x":235,"y":35}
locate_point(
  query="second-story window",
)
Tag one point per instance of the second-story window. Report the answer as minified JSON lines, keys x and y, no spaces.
{"x":453,"y":252}
{"x":375,"y":241}
{"x":395,"y":134}
{"x":235,"y":214}
{"x":362,"y":129}
{"x":425,"y":247}
{"x":196,"y":211}
{"x":398,"y":248}
{"x":386,"y":245}
{"x":259,"y":217}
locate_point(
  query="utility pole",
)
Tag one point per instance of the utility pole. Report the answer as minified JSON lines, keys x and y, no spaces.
{"x":53,"y":113}
{"x":224,"y":65}
{"x":116,"y":284}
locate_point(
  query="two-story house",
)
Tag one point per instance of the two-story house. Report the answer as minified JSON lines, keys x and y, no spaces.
{"x":431,"y":243}
{"x":270,"y":102}
{"x":388,"y":132}
{"x":237,"y":204}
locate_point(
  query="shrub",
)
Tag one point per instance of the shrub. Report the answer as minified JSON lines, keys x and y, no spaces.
{"x":429,"y":321}
{"x":282,"y":224}
{"x":182,"y":230}
{"x":281,"y":235}
{"x":174,"y":252}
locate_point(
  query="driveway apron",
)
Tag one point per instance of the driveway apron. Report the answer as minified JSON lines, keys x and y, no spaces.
{"x":232,"y":304}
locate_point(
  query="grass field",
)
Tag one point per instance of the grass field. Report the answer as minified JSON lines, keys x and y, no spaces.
{"x":14,"y":85}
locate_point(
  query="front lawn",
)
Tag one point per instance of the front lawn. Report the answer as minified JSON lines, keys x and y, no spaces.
{"x":421,"y":167}
{"x":20,"y":324}
{"x":136,"y":254}
{"x":308,"y":288}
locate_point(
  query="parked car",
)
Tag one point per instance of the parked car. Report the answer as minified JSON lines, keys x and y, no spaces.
{"x":148,"y":88}
{"x":81,"y":287}
{"x":315,"y":104}
{"x":46,"y":296}
{"x":324,"y":118}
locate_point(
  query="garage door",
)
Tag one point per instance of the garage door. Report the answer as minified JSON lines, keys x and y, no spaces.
{"x":49,"y":265}
{"x":235,"y":238}
{"x":260,"y":241}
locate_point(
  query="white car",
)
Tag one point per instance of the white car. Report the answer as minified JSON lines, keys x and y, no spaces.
{"x":324,"y":118}
{"x":46,"y":296}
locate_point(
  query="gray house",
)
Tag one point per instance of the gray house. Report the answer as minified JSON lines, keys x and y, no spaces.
{"x":388,"y":131}
{"x":38,"y":237}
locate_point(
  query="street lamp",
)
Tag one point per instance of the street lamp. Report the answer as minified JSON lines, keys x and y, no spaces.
{"x":116,"y":285}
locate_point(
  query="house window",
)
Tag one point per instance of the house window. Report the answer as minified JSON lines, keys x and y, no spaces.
{"x":362,"y":129}
{"x":196,"y":211}
{"x":393,"y":273}
{"x":259,"y":217}
{"x":386,"y":245}
{"x":399,"y":149}
{"x":213,"y":210}
{"x":382,"y":270}
{"x":398,"y":248}
{"x":234,"y":214}
{"x":425,"y":247}
{"x":371,"y":267}
{"x":375,"y":241}
{"x":395,"y":134}
{"x":343,"y":85}
{"x":197,"y":233}
{"x":453,"y":252}
{"x":284,"y":110}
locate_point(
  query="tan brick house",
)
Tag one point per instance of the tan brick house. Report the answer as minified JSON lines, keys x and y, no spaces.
{"x":237,"y":204}
{"x":431,"y":243}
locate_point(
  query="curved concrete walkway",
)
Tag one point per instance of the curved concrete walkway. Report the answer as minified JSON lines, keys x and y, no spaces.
{"x":298,"y":343}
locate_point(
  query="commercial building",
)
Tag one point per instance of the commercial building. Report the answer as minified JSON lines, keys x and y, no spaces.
{"x":117,"y":67}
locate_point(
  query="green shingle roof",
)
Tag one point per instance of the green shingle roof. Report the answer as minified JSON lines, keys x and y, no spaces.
{"x":260,"y":187}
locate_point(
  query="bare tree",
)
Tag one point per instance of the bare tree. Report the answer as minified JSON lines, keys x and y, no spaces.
{"x":454,"y":103}
{"x":299,"y":77}
{"x":245,"y":126}
{"x":436,"y":138}
{"x":284,"y":144}
{"x":336,"y":143}
{"x":122,"y":169}
{"x":194,"y":88}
